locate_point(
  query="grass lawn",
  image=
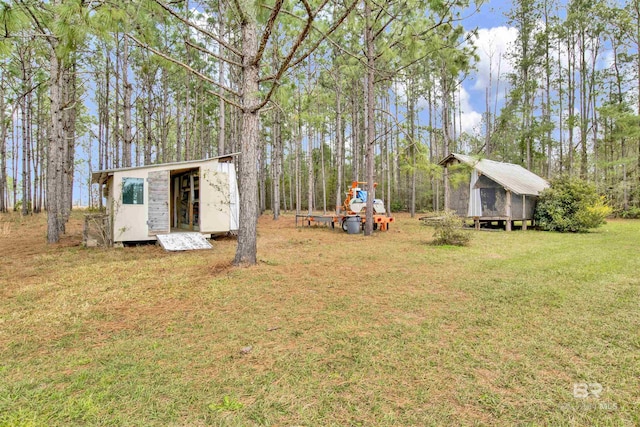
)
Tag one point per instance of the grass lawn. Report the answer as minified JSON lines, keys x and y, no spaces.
{"x":328,"y":329}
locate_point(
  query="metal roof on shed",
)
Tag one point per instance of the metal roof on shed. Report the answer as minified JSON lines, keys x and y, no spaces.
{"x":99,"y":177}
{"x":512,"y":177}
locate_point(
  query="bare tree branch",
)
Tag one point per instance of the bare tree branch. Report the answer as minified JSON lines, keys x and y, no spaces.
{"x":381,"y":10}
{"x":188,"y":68}
{"x":384,"y":27}
{"x":208,"y":52}
{"x":440,"y":22}
{"x":242,"y":15}
{"x":275,"y":11}
{"x":285,"y":64}
{"x":432,"y":52}
{"x":37,"y":22}
{"x":199,"y":29}
{"x":398,"y":126}
{"x":326,"y":35}
{"x":225,"y":99}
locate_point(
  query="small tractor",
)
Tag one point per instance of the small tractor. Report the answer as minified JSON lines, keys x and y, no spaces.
{"x":352,"y":212}
{"x":356,"y":204}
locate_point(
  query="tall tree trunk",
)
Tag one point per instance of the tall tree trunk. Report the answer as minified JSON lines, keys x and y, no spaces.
{"x":15,"y":160}
{"x":298,"y":164}
{"x":69,"y":124}
{"x":30,"y":154}
{"x":56,"y":149}
{"x":164,"y":138}
{"x":433,"y":155}
{"x":547,"y":89}
{"x":276,"y":162}
{"x":339,"y":144}
{"x":3,"y":146}
{"x":323,"y":173}
{"x":355,"y":138}
{"x":262,"y":167}
{"x":584,"y":105}
{"x":636,"y":9}
{"x":126,"y":106}
{"x":446,"y":131}
{"x":117,"y":134}
{"x":147,"y":120}
{"x":25,"y":126}
{"x":570,"y":100}
{"x":187,"y":96}
{"x":136,"y":139}
{"x":412,"y":147}
{"x":221,"y":74}
{"x":283,"y":184}
{"x":247,"y":235}
{"x":487,"y":115}
{"x":395,"y":165}
{"x":310,"y":191}
{"x":107,"y":120}
{"x":561,"y":112}
{"x":36,"y":150}
{"x":386,"y":154}
{"x":178,"y":157}
{"x":370,"y":123}
{"x":40,"y":171}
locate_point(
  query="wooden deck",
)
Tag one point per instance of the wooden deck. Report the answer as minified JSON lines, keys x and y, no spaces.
{"x":478,"y":221}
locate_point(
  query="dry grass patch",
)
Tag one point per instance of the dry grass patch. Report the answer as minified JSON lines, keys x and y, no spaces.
{"x":5,"y":229}
{"x":327,"y":329}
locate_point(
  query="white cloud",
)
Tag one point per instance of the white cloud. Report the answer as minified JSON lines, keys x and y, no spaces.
{"x":471,"y":123}
{"x":608,"y":59}
{"x":470,"y":120}
{"x":492,"y":47}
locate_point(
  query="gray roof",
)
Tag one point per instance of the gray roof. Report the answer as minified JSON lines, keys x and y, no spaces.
{"x":512,"y":177}
{"x":98,"y":177}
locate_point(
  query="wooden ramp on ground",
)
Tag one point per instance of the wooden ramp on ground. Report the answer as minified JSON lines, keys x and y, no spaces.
{"x":183,"y":242}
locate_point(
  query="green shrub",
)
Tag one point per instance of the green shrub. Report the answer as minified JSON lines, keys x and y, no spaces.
{"x":449,"y":230}
{"x":570,"y":204}
{"x":631,"y":213}
{"x":397,"y":206}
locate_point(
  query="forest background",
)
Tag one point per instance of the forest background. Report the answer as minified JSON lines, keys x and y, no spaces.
{"x":551,"y":85}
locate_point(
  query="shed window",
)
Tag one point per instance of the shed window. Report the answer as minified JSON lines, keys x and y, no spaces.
{"x":488,"y":197}
{"x":132,"y":191}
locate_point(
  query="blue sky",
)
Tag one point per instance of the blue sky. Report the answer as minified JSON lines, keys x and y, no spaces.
{"x":494,"y":37}
{"x":492,"y":14}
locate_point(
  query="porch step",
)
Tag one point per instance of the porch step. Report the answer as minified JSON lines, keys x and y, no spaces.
{"x":183,"y":241}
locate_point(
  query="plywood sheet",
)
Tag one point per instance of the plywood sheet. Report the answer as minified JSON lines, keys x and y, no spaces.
{"x":158,"y":202}
{"x":183,"y":241}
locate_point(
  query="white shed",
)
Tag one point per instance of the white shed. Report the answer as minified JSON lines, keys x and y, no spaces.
{"x":145,"y":201}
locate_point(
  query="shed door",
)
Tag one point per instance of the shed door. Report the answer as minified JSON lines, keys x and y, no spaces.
{"x":214,"y":200}
{"x":158,"y":202}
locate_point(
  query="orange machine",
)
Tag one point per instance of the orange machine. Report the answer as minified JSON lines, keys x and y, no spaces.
{"x":354,"y":206}
{"x":356,"y":203}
